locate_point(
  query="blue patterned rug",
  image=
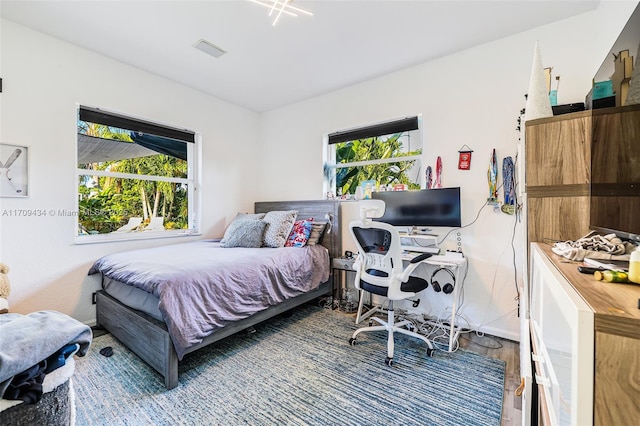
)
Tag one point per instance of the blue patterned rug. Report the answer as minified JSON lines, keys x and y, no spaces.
{"x":297,"y":369}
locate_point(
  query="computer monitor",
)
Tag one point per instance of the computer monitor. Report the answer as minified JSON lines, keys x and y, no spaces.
{"x":423,"y":208}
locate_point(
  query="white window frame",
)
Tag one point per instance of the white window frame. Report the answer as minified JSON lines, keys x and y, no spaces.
{"x":193,"y":179}
{"x":329,"y":157}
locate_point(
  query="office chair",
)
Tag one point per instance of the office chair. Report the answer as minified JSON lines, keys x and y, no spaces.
{"x":379,"y":270}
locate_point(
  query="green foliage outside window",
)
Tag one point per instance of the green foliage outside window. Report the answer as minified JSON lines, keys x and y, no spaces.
{"x":375,"y":148}
{"x":106,"y":203}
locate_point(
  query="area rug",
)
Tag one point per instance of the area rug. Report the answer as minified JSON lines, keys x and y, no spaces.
{"x":295,"y":369}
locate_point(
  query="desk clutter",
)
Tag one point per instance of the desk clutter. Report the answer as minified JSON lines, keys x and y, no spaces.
{"x":595,"y":246}
{"x":607,"y":257}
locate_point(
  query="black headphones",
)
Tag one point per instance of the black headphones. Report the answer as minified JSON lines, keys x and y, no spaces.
{"x":448,"y":287}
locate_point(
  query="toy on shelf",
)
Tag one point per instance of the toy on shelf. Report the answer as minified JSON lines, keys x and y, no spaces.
{"x":622,"y":76}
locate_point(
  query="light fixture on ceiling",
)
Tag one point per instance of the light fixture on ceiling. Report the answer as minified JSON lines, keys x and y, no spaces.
{"x":209,"y":48}
{"x":278,"y":7}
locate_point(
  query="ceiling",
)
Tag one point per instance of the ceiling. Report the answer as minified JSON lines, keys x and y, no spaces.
{"x":266,"y":67}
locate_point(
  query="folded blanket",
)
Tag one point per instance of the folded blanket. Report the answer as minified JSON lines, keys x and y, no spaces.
{"x":595,"y":246}
{"x":26,"y":340}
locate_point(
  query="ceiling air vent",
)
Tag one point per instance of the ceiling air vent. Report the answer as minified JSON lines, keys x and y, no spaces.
{"x":209,"y":48}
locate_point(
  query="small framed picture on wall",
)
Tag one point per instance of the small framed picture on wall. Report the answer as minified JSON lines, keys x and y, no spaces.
{"x":14,"y":170}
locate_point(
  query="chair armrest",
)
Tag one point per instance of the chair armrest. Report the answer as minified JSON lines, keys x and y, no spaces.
{"x":421,"y":257}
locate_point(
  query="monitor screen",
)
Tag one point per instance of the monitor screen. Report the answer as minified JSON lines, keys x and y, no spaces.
{"x":423,"y":208}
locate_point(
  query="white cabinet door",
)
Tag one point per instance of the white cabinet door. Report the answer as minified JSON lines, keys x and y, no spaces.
{"x":562,"y":324}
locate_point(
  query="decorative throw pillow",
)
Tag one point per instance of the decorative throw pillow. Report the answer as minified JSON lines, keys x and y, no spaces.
{"x":299,"y":233}
{"x":231,"y":229}
{"x":247,"y":233}
{"x":317,"y":230}
{"x":279,"y":224}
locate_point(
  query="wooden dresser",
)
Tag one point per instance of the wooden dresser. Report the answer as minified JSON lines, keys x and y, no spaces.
{"x":558,"y":162}
{"x":558,"y":170}
{"x":592,"y":326}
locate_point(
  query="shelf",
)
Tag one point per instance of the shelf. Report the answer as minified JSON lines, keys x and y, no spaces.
{"x":446,"y":260}
{"x":419,"y":236}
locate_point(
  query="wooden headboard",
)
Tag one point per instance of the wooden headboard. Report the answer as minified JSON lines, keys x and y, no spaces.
{"x":320,"y":211}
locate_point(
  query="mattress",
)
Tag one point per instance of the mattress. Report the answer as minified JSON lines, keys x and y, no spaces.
{"x":132,"y":297}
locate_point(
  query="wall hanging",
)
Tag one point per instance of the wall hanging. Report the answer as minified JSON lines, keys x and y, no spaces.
{"x":14,"y":162}
{"x":508,"y":178}
{"x":438,"y":182}
{"x":429,"y":177}
{"x":464,"y":160}
{"x":492,"y":178}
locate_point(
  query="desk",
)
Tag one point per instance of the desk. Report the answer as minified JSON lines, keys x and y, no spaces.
{"x":456,"y":264}
{"x":342,"y":266}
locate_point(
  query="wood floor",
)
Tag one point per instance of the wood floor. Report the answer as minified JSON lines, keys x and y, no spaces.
{"x":509,"y":352}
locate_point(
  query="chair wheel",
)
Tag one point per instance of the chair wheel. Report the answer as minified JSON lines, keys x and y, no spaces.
{"x":430,"y":352}
{"x":352,"y":341}
{"x":388,"y":361}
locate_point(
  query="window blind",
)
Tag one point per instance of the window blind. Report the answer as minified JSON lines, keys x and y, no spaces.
{"x":390,"y":127}
{"x":94,"y":115}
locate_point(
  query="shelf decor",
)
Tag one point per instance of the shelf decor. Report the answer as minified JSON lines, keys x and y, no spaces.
{"x":538,"y":102}
{"x":633,"y":96}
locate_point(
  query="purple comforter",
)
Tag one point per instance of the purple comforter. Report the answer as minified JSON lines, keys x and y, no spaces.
{"x":202,"y":286}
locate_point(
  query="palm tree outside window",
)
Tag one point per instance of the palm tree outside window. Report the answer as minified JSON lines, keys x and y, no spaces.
{"x":387,"y":153}
{"x":130,"y":172}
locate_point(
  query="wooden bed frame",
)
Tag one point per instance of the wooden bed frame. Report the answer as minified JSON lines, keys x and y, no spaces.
{"x":149,"y":339}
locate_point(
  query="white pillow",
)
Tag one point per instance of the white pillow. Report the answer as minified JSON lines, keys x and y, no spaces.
{"x":279,"y":224}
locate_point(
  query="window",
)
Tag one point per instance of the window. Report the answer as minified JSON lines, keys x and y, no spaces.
{"x":385,"y":154}
{"x":135,"y":179}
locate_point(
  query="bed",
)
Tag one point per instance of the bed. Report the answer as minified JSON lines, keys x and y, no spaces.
{"x":166,"y":341}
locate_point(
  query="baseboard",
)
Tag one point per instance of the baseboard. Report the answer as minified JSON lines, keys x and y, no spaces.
{"x":499,"y":332}
{"x":91,"y":323}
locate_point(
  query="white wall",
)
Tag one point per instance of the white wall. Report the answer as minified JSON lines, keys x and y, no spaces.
{"x":473,"y":98}
{"x":43,"y":79}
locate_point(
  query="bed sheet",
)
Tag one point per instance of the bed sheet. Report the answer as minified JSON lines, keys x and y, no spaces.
{"x":202,"y":286}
